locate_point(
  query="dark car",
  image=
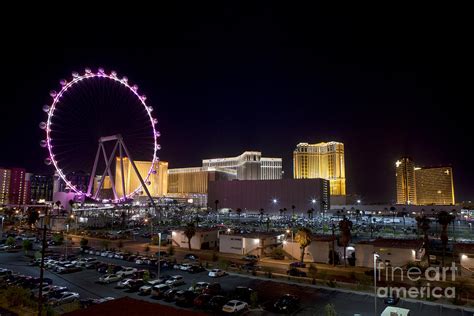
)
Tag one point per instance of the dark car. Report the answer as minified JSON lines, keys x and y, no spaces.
{"x":297,"y":264}
{"x":140,"y":273}
{"x":191,"y":256}
{"x":201,"y":300}
{"x":70,"y":270}
{"x":169,"y":295}
{"x":287,"y":304}
{"x":185,"y":298}
{"x":250,"y":258}
{"x":216,"y":303}
{"x":250,"y":267}
{"x":196,"y":269}
{"x":212,"y":289}
{"x":296,"y":272}
{"x":134,"y":285}
{"x":391,"y":300}
{"x":243,"y":293}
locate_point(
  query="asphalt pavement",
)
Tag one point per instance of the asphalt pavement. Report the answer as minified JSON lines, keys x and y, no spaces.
{"x":313,"y":299}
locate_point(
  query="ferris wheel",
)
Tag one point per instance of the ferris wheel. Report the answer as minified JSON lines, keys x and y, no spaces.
{"x":103,"y":116}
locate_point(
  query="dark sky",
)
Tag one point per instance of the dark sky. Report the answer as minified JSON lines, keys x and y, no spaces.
{"x":386,"y":83}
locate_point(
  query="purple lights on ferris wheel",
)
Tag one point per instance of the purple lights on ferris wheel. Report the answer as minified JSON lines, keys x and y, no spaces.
{"x":51,"y":108}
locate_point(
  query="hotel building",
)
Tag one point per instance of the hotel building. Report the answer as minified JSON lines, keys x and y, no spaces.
{"x":322,"y":160}
{"x":249,"y":166}
{"x":434,"y":185}
{"x":4,"y":185}
{"x":405,"y":174}
{"x":157,"y":182}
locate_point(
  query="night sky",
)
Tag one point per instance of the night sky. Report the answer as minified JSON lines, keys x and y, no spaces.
{"x":224,"y":80}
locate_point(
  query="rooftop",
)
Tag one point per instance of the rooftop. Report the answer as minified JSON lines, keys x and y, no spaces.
{"x":394,"y":243}
{"x":127,"y":306}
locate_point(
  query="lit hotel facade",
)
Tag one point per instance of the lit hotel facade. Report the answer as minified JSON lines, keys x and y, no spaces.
{"x":249,"y":166}
{"x":425,"y":185}
{"x":322,"y":160}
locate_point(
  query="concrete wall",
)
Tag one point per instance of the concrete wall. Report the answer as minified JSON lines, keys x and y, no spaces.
{"x":398,"y":257}
{"x":178,"y":238}
{"x":243,"y":245}
{"x":317,"y":251}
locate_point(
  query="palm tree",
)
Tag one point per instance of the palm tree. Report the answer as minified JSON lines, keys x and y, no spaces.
{"x":281,"y":212}
{"x":454,"y":212}
{"x":423,"y":223}
{"x":284,"y":210}
{"x":444,"y":219}
{"x":293,"y":211}
{"x":58,"y":205}
{"x":261,"y":214}
{"x":304,"y":236}
{"x":238,"y":211}
{"x":310,"y":213}
{"x":393,"y":212}
{"x":189,"y":232}
{"x":345,"y":227}
{"x":357,"y":215}
{"x":216,"y":203}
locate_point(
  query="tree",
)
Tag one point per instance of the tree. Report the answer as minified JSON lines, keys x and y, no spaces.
{"x":84,"y":242}
{"x":239,"y":211}
{"x":423,"y":223}
{"x":10,"y":241}
{"x":189,"y":232}
{"x":293,"y":211}
{"x":58,"y":239}
{"x":310,"y":213}
{"x":261,"y":214}
{"x":146,"y":276}
{"x":216,"y":203}
{"x":345,"y":227}
{"x":444,"y":219}
{"x":27,"y":245}
{"x":303,"y":237}
{"x":33,"y":216}
{"x":277,"y":254}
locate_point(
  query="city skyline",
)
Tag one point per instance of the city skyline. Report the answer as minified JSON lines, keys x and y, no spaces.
{"x":265,"y":81}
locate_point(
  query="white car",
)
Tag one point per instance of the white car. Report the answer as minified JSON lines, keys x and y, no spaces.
{"x":185,"y":267}
{"x":126,"y":271}
{"x":215,"y":273}
{"x":146,"y":289}
{"x":175,"y":280}
{"x":65,"y":297}
{"x":109,"y":278}
{"x":234,"y":306}
{"x":198,"y":287}
{"x":123,"y":283}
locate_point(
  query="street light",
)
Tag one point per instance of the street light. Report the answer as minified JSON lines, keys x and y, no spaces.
{"x":376,"y":256}
{"x":159,"y":254}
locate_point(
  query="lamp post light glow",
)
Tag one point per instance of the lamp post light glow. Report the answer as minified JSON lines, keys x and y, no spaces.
{"x":376,"y":256}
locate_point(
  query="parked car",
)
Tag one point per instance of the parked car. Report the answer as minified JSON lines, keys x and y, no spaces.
{"x":146,"y":288}
{"x":296,"y":272}
{"x":196,"y":269}
{"x":198,"y":287}
{"x":250,"y":258}
{"x":134,"y":285}
{"x":185,"y":298}
{"x":297,"y":264}
{"x":250,"y":267}
{"x":169,"y":295}
{"x":109,"y":278}
{"x":126,"y":271}
{"x":286,"y":304}
{"x":234,"y":306}
{"x":212,"y":289}
{"x":243,"y":293}
{"x":216,"y":302}
{"x":191,"y":256}
{"x":159,"y":290}
{"x":215,"y":273}
{"x":65,"y":297}
{"x":175,"y":280}
{"x":202,"y":300}
{"x":123,"y":283}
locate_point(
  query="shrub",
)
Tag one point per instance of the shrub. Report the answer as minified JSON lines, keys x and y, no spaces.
{"x":155,"y":240}
{"x":312,"y":271}
{"x":146,"y":275}
{"x":10,"y":241}
{"x":58,"y":239}
{"x":215,"y":257}
{"x":84,"y":242}
{"x":254,"y":299}
{"x":27,"y":245}
{"x":105,"y":244}
{"x":278,"y":254}
{"x":329,"y":310}
{"x":17,"y":296}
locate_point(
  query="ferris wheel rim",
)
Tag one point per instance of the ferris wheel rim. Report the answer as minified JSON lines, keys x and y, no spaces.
{"x":90,"y":75}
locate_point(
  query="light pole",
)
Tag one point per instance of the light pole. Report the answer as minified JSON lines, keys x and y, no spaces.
{"x":376,"y":256}
{"x":292,"y":239}
{"x":67,"y":232}
{"x":159,"y":255}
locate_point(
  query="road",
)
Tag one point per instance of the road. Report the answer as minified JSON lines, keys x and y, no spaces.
{"x":313,"y":299}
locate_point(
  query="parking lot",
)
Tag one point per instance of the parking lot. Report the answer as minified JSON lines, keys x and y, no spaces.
{"x":313,"y":300}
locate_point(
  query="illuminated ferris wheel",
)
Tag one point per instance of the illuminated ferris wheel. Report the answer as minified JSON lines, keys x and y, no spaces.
{"x":101,"y":115}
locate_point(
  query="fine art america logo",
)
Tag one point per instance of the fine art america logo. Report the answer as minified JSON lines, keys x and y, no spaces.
{"x":415,"y":274}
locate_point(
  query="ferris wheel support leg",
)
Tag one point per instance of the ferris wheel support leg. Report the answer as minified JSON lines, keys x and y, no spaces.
{"x":107,"y":168}
{"x":124,"y":194}
{"x":112,"y":182}
{"x":94,"y":169}
{"x":138,"y":175}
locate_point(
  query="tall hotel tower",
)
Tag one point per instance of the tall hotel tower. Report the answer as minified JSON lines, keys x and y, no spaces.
{"x":322,"y":160}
